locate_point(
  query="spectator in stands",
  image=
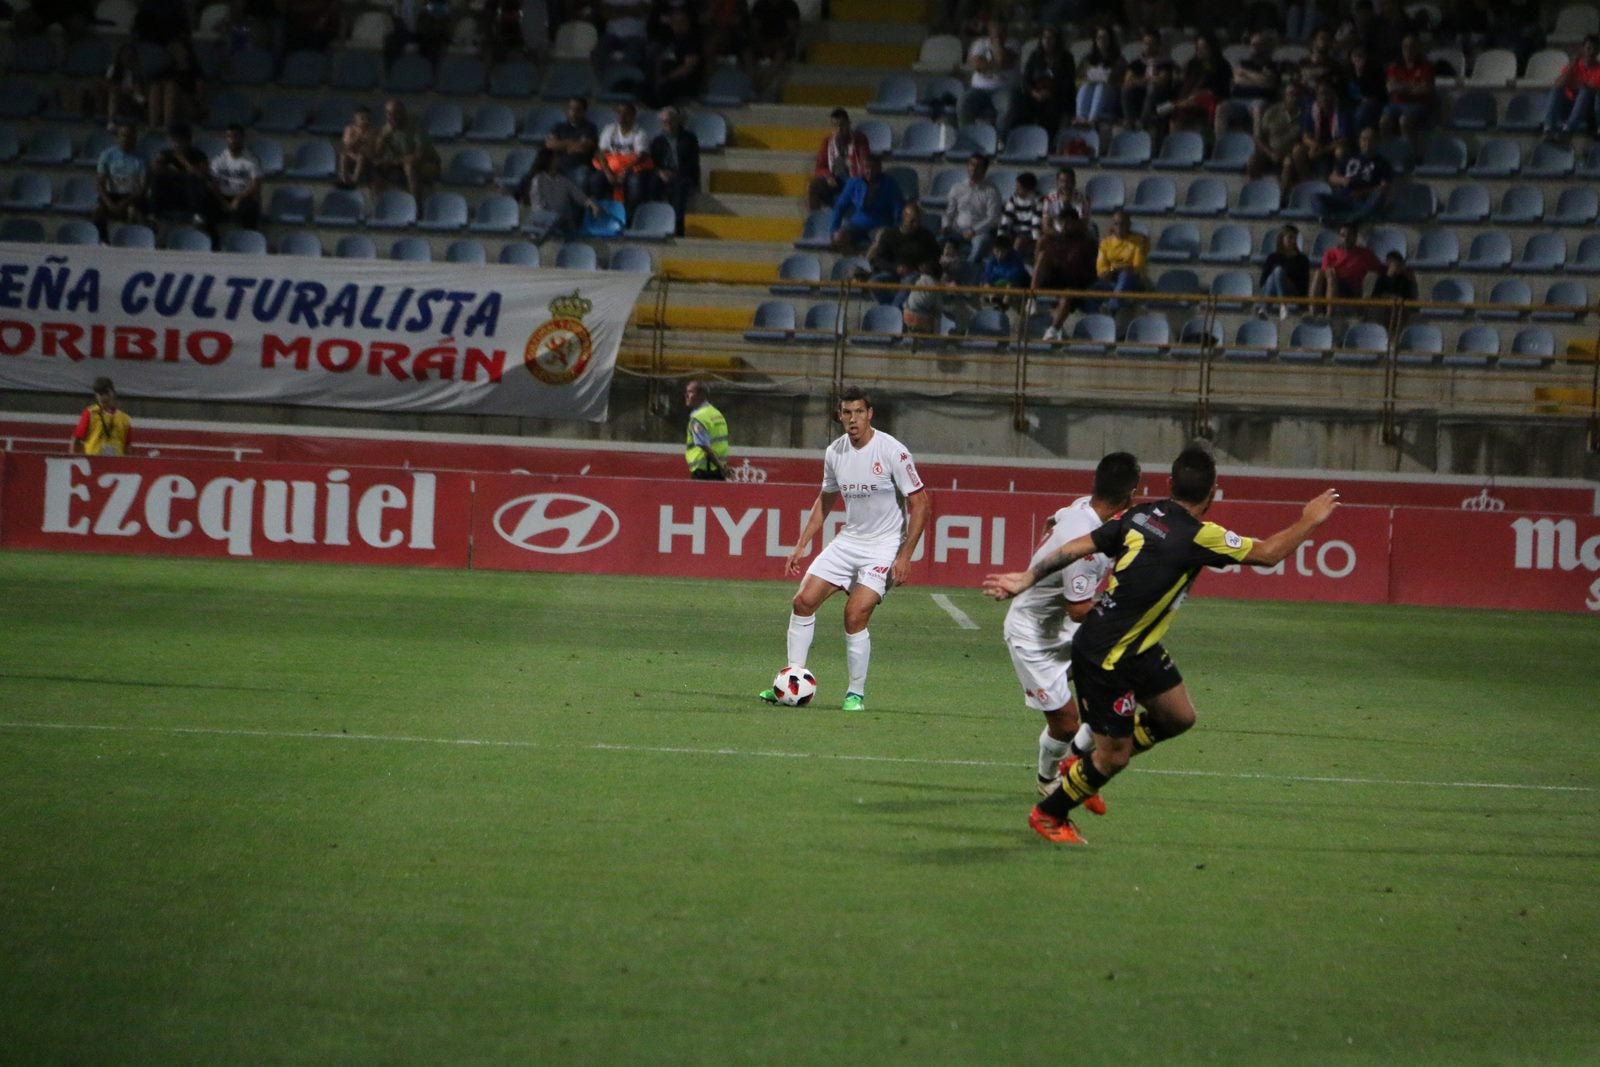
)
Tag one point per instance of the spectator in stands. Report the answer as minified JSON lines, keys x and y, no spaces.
{"x":1019,"y":216}
{"x":1004,"y":268}
{"x":1366,"y":91}
{"x":622,"y":161}
{"x":1576,"y":93}
{"x":1319,"y":64}
{"x":123,"y":91}
{"x":626,"y":32}
{"x":358,"y":148}
{"x":1395,"y":283}
{"x":405,"y":154}
{"x":775,"y":36}
{"x":675,"y":154}
{"x":898,"y":253}
{"x":1044,"y":96}
{"x":989,"y":89}
{"x":1344,"y":270}
{"x":1142,"y":74}
{"x":235,"y":184}
{"x":160,"y":22}
{"x":1256,"y":81}
{"x":1360,"y":183}
{"x":841,"y":156}
{"x":1064,"y":200}
{"x":1065,"y":260}
{"x":677,"y":62}
{"x":1326,"y":127}
{"x":1104,"y":83}
{"x":972,"y":211}
{"x":1160,"y":88}
{"x":176,"y":94}
{"x":867,"y":203}
{"x":574,"y":140}
{"x":180,"y":179}
{"x":423,"y":23}
{"x":311,"y":25}
{"x":1278,"y":134}
{"x":120,"y":180}
{"x":75,"y":17}
{"x":1119,"y":264}
{"x":726,"y":33}
{"x":552,"y":195}
{"x":1207,"y":82}
{"x":923,"y":308}
{"x":1287,"y":272}
{"x":1413,"y":100}
{"x":103,"y":429}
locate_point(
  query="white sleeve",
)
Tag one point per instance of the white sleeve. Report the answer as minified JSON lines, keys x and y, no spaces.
{"x":830,"y":479}
{"x":1079,"y":581}
{"x":904,"y":469}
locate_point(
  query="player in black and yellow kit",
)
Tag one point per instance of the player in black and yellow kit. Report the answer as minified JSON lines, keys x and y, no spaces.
{"x":1129,"y":690}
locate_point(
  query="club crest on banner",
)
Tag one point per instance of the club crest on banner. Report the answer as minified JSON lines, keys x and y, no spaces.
{"x":559,"y":351}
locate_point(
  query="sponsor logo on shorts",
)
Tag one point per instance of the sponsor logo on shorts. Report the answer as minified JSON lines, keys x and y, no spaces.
{"x":1124,"y":705}
{"x":880,"y":570}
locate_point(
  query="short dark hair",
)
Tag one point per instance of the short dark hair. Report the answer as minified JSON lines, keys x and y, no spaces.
{"x":232,"y":126}
{"x":1026,"y":180}
{"x":1194,"y":473}
{"x":103,"y":385}
{"x":854,"y":392}
{"x":839,"y":113}
{"x":180,"y":131}
{"x":1116,"y":477}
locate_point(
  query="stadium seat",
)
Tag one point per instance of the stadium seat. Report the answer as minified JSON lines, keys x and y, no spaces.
{"x":774,"y":321}
{"x":1026,"y":145}
{"x":244,"y":242}
{"x":302,"y":243}
{"x":1454,"y":293}
{"x":77,"y":195}
{"x":1576,"y":206}
{"x":1320,"y":244}
{"x":568,"y":78}
{"x":1181,"y":150}
{"x":1075,"y":148}
{"x":1467,"y":204}
{"x":19,"y":99}
{"x":817,"y":232}
{"x":411,"y":250}
{"x":393,"y":209}
{"x":1148,"y":334}
{"x":291,"y":205}
{"x":10,"y":144}
{"x":520,"y":254}
{"x":1364,"y":344}
{"x":48,"y":147}
{"x":1255,"y":341}
{"x":728,"y":87}
{"x":1385,"y":239}
{"x":340,"y":207}
{"x":28,"y":191}
{"x":312,"y":161}
{"x":1498,"y":157}
{"x":1507,"y":294}
{"x":1309,"y":342}
{"x":279,"y":114}
{"x":940,"y":54}
{"x":539,"y":121}
{"x":513,"y":79}
{"x":846,"y":268}
{"x":443,"y":211}
{"x":1495,"y":68}
{"x":492,"y":122}
{"x":943,"y":181}
{"x":629,"y":259}
{"x":620,"y":83}
{"x":409,"y":75}
{"x":1520,"y":205}
{"x":495,"y":214}
{"x":1398,"y":151}
{"x":1196,"y":338}
{"x":252,"y":66}
{"x":920,"y":141}
{"x":1232,"y":289}
{"x":87,"y":57}
{"x":355,"y":72}
{"x":1178,"y":242}
{"x":1587,"y":260}
{"x":445,"y":121}
{"x":798,"y":275}
{"x":460,"y":76}
{"x":611,"y":220}
{"x":188,"y":239}
{"x":652,"y":221}
{"x":1475,"y":347}
{"x":575,"y":255}
{"x":1104,"y":192}
{"x":1258,"y":199}
{"x":1005,"y":182}
{"x":1533,"y":348}
{"x":468,"y":250}
{"x":1488,"y":252}
{"x":896,"y":95}
{"x":1449,"y":64}
{"x":355,"y":246}
{"x":977,"y":139}
{"x":938,"y":96}
{"x":823,"y":322}
{"x":368,"y":30}
{"x":1575,"y":22}
{"x":1233,"y":150}
{"x":1550,"y":161}
{"x":879,"y":137}
{"x":132,"y":235}
{"x":470,"y":167}
{"x":1566,"y":300}
{"x":989,"y":330}
{"x":575,"y":39}
{"x":880,"y":325}
{"x":1305,"y":201}
{"x":329,"y":115}
{"x":1129,"y":148}
{"x":1543,"y":253}
{"x":710,"y":129}
{"x":1205,"y":197}
{"x":1524,"y":113}
{"x":1412,"y":202}
{"x":1420,"y":345}
{"x":1093,"y":334}
{"x":77,"y":232}
{"x":305,"y":69}
{"x":1543,"y":68}
{"x":1437,"y":249}
{"x":1473,"y":110}
{"x":1444,"y":156}
{"x":1156,"y":194}
{"x":1230,"y":243}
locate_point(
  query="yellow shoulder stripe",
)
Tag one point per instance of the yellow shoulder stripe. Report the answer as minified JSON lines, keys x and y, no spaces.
{"x":1223,"y":542}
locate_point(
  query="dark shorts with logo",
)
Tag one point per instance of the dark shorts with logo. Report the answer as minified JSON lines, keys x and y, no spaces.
{"x":1106,"y":699}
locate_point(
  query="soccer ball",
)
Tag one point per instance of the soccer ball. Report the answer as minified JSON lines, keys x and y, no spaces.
{"x":795,"y":687}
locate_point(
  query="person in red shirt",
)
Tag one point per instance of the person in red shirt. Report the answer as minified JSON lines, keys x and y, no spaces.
{"x":1413,"y":99}
{"x":1344,"y":269}
{"x":841,"y":156}
{"x":1576,"y":93}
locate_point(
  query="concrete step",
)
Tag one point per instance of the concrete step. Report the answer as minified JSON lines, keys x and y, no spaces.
{"x":782,"y":138}
{"x":899,"y":12}
{"x":736,"y":228}
{"x":829,"y":94}
{"x":863,"y":55}
{"x":764,"y":272}
{"x":761,"y":183}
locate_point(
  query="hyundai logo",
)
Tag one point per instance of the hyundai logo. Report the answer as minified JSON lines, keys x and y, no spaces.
{"x":557,"y":523}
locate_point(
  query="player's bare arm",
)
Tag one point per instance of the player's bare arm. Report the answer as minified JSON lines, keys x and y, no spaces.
{"x":919,"y":509}
{"x":1270,"y":551}
{"x":819,"y":510}
{"x":1006,"y":586}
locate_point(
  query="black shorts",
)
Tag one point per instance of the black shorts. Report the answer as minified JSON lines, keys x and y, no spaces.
{"x":1106,"y":699}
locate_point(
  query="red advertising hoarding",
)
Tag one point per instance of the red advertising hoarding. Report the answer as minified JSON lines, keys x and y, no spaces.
{"x":1521,"y":562}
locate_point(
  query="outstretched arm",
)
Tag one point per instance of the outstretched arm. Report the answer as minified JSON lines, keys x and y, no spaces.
{"x":1006,"y":586}
{"x":1270,"y":551}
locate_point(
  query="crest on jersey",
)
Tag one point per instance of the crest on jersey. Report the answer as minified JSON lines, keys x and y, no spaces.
{"x":559,"y":351}
{"x":877,"y":468}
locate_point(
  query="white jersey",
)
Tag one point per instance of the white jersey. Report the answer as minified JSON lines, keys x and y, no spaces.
{"x":873,"y":480}
{"x":1038,"y":616}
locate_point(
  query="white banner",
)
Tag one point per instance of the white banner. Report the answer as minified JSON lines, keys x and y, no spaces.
{"x":373,"y":334}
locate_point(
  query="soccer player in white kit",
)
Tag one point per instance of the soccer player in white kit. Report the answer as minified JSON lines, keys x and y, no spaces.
{"x":1041,"y":620}
{"x":874,"y":473}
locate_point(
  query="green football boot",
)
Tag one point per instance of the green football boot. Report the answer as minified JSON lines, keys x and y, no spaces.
{"x":853,"y":702}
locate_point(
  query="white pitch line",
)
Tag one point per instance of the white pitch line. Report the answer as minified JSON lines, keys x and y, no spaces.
{"x":601,"y":746}
{"x":963,"y":620}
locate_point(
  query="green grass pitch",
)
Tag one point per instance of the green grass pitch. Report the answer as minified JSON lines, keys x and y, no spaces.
{"x":263,"y":814}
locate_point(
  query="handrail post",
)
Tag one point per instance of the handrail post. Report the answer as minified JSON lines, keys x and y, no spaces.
{"x":841,"y":325}
{"x":1594,"y":398}
{"x":1389,"y":433}
{"x":1202,"y":410}
{"x":1019,"y":397}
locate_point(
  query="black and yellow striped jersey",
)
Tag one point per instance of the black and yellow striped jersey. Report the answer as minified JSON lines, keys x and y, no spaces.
{"x":1158,"y":549}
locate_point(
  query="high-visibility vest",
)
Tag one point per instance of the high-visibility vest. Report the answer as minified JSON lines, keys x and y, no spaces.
{"x":717,"y":427}
{"x":107,"y":432}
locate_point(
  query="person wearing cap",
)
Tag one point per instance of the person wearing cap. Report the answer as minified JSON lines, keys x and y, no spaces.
{"x":103,"y":429}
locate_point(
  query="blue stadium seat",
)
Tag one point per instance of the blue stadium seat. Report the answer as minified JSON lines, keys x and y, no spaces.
{"x":1437,"y":249}
{"x":817,"y":232}
{"x":467,"y":250}
{"x":1177,"y":282}
{"x":1564,"y":301}
{"x":87,"y":57}
{"x":268,"y":153}
{"x":1455,"y":292}
{"x":355,"y":246}
{"x":443,"y":211}
{"x":798,"y":275}
{"x":1156,"y":194}
{"x":728,"y":87}
{"x":1026,"y":145}
{"x":1524,"y":113}
{"x":989,"y":330}
{"x":1576,"y":206}
{"x":517,"y":163}
{"x":823,"y":322}
{"x":357,"y":72}
{"x":1533,"y":348}
{"x":1498,"y":157}
{"x":409,"y":74}
{"x":1232,"y":289}
{"x":495,"y":214}
{"x":1075,"y":148}
{"x":631,"y":260}
{"x":301,"y":243}
{"x":1444,"y":156}
{"x":280,"y":114}
{"x":847,"y":267}
{"x":539,"y":121}
{"x":1232,"y":152}
{"x":513,"y":79}
{"x":22,"y":230}
{"x":610,"y":222}
{"x":1412,"y":202}
{"x":1510,"y":295}
{"x":575,"y":255}
{"x":1467,"y":204}
{"x":253,"y":66}
{"x":620,"y":83}
{"x":1550,"y":161}
{"x":1178,"y":242}
{"x":1309,"y":342}
{"x":1420,"y":345}
{"x":520,"y":254}
{"x":48,"y":147}
{"x":1543,"y":253}
{"x":774,"y":321}
{"x":77,"y":195}
{"x":133,"y":235}
{"x":10,"y":144}
{"x":1230,"y":243}
{"x":1474,"y":110}
{"x":188,"y":239}
{"x":77,"y":232}
{"x":1587,"y":261}
{"x":920,"y":141}
{"x":329,"y":115}
{"x":978,"y":139}
{"x":1488,"y":252}
{"x":1364,"y":344}
{"x":879,"y":137}
{"x":393,"y":209}
{"x":291,"y":205}
{"x":939,"y":192}
{"x":1093,"y":335}
{"x":710,"y":129}
{"x":880,"y":325}
{"x":1305,"y":201}
{"x":1205,"y":197}
{"x":28,"y":191}
{"x":444,"y":120}
{"x":1589,"y":164}
{"x":1181,"y":150}
{"x":460,"y":76}
{"x":939,"y":96}
{"x":1196,"y":337}
{"x":492,"y":122}
{"x":306,"y":69}
{"x":312,"y":160}
{"x":411,"y":250}
{"x":1129,"y":148}
{"x":1254,"y":342}
{"x":1475,"y":347}
{"x":1385,"y":239}
{"x":896,"y":95}
{"x":244,"y":242}
{"x":1147,"y":334}
{"x":1520,"y":205}
{"x":1258,"y":199}
{"x":470,"y":167}
{"x":1105,"y":193}
{"x":19,"y":99}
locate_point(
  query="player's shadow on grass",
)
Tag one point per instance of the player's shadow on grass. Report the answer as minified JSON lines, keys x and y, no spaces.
{"x":73,"y":679}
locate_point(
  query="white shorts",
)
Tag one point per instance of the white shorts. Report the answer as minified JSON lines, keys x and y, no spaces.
{"x":1044,"y":675}
{"x":845,"y":563}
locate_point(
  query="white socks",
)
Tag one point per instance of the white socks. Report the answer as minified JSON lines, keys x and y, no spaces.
{"x":857,"y":654}
{"x":1083,"y":741}
{"x":801,"y":627}
{"x":1051,"y":753}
